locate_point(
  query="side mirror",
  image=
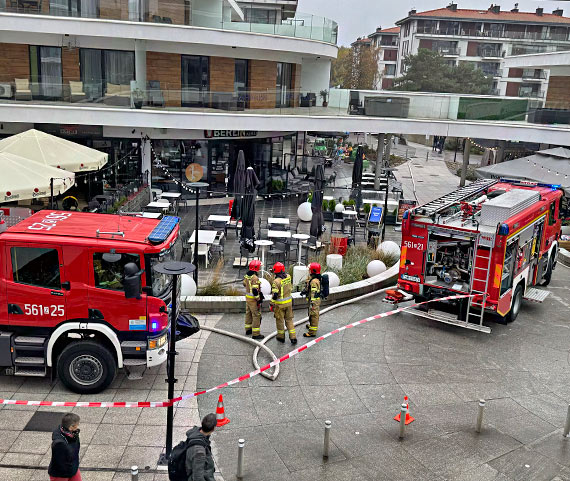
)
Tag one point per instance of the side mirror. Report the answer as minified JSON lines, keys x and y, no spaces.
{"x":132,"y":281}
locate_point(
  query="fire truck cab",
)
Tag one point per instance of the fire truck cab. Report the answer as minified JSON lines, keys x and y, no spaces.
{"x":79,"y":297}
{"x":492,"y":240}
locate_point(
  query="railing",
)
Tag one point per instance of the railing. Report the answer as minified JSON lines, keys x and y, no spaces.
{"x":306,"y":26}
{"x":531,"y":94}
{"x":558,"y":37}
{"x":488,"y":52}
{"x":455,"y":51}
{"x":534,"y":75}
{"x":493,"y":73}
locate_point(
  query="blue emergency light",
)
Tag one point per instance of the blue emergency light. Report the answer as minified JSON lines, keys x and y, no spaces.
{"x":164,"y":228}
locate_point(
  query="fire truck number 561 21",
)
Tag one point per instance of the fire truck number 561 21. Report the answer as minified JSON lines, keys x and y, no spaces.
{"x":38,"y":309}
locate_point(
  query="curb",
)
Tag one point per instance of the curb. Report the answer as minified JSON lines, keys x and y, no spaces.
{"x":564,"y":257}
{"x":223,"y":304}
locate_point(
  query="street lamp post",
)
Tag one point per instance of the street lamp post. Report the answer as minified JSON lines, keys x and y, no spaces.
{"x":387,"y":170}
{"x":174,"y":269}
{"x":197,"y":186}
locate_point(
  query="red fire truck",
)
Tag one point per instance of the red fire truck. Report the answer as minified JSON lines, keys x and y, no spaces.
{"x":79,"y":297}
{"x":493,"y":239}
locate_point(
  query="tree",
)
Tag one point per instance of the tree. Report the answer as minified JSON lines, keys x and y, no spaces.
{"x":355,"y":68}
{"x":428,"y":71}
{"x":341,"y":68}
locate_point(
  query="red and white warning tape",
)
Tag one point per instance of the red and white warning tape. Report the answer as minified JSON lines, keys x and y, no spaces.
{"x":170,"y":402}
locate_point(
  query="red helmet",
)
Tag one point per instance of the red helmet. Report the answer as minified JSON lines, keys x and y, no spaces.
{"x":278,"y":267}
{"x":255,"y":265}
{"x":315,"y":268}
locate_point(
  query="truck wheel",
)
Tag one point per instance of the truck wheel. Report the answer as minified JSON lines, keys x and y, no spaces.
{"x":549,"y":269}
{"x":516,"y":305}
{"x":86,"y":367}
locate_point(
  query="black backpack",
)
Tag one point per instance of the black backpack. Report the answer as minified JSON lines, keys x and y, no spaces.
{"x":177,"y":459}
{"x":324,"y":286}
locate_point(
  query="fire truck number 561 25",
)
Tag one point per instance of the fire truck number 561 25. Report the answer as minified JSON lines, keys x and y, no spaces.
{"x":38,"y":309}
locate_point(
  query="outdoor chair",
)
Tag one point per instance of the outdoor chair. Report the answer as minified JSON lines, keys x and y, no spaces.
{"x":185,"y":243}
{"x":155,"y":96}
{"x":22,"y":90}
{"x":312,"y":245}
{"x":235,"y":224}
{"x":217,"y":247}
{"x":350,"y":223}
{"x":220,"y":226}
{"x":203,"y":251}
{"x":76,"y":93}
{"x":244,"y":254}
{"x":280,"y":250}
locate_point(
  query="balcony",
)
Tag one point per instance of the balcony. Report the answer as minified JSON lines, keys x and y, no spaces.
{"x":302,"y":26}
{"x":555,"y":37}
{"x":537,"y":75}
{"x":448,"y":51}
{"x":496,"y":73}
{"x":531,"y":94}
{"x":489,"y":52}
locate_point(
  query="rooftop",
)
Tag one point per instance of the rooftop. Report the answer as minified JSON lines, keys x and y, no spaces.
{"x":380,"y":30}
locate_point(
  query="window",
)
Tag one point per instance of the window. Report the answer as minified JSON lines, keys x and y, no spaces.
{"x":195,"y":80}
{"x":508,"y":267}
{"x":552,"y":214}
{"x":109,"y":275}
{"x":260,"y":15}
{"x":283,"y":87}
{"x":100,"y":69}
{"x":74,"y":8}
{"x":46,"y":71}
{"x":36,"y":266}
{"x":390,"y":70}
{"x":241,"y":78}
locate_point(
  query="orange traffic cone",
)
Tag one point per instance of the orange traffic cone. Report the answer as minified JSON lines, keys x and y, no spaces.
{"x":220,"y":413}
{"x":409,"y":418}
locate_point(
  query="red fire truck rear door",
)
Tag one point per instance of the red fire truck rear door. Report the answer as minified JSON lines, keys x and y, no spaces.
{"x":36,"y":287}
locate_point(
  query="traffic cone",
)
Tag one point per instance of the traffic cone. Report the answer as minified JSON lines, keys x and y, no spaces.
{"x":409,"y":418}
{"x":220,"y":413}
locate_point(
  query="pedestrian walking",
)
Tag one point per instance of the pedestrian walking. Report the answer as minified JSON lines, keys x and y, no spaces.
{"x":312,"y":292}
{"x":441,"y":144}
{"x":191,"y":459}
{"x":435,"y":142}
{"x":64,"y":464}
{"x":253,"y":299}
{"x":282,"y":303}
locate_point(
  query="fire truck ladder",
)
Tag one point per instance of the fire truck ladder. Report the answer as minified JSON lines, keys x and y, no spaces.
{"x":481,"y":276}
{"x":454,"y":197}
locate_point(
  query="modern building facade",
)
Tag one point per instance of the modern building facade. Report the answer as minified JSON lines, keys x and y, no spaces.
{"x":386,"y":41}
{"x":139,"y":56}
{"x":485,"y":38}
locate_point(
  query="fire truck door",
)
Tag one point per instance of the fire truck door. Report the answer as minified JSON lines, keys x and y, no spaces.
{"x":107,"y":299}
{"x":36,"y":287}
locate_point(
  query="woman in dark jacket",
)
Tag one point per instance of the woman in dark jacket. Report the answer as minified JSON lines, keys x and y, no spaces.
{"x":64,"y":465}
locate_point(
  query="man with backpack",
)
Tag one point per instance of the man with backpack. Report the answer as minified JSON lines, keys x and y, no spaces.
{"x":316,"y":288}
{"x":64,"y":464}
{"x":191,"y":460}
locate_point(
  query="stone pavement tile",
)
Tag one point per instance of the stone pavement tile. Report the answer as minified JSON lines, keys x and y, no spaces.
{"x":363,"y":335}
{"x":13,"y":474}
{"x":453,"y":373}
{"x":554,"y":446}
{"x":7,"y":439}
{"x":328,"y":350}
{"x":561,"y":389}
{"x":518,"y":383}
{"x":97,"y":475}
{"x":326,"y":401}
{"x":109,"y":434}
{"x":99,"y":456}
{"x":299,"y":444}
{"x":185,"y":355}
{"x":287,"y":373}
{"x":352,"y":351}
{"x":471,"y":391}
{"x":216,"y":369}
{"x":430,"y":394}
{"x":450,"y":417}
{"x":186,"y":417}
{"x":155,"y":436}
{"x":546,"y":406}
{"x":32,"y":443}
{"x":152,"y":417}
{"x":368,"y":373}
{"x":190,"y":402}
{"x":381,"y":398}
{"x":21,"y":459}
{"x":390,"y":464}
{"x":190,"y":383}
{"x":90,"y":415}
{"x":238,"y":405}
{"x":189,"y":343}
{"x":461,"y":451}
{"x":88,"y":430}
{"x":35,"y":385}
{"x":141,"y":457}
{"x":122,"y":416}
{"x":409,"y":374}
{"x":514,"y":420}
{"x":320,"y":373}
{"x":229,"y":346}
{"x":12,"y":421}
{"x":280,"y":404}
{"x":337,"y":471}
{"x":524,"y":464}
{"x":146,"y":382}
{"x":483,"y":472}
{"x":142,"y":477}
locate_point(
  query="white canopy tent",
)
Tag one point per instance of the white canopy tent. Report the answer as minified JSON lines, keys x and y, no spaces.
{"x":54,"y":151}
{"x":25,"y":179}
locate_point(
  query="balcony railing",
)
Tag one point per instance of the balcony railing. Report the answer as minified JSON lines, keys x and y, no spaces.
{"x":305,"y":26}
{"x":493,"y":73}
{"x":489,"y":52}
{"x":531,"y":94}
{"x":558,"y":37}
{"x":453,"y":51}
{"x":534,"y":75}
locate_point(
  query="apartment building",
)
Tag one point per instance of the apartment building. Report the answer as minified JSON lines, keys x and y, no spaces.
{"x":485,"y":38}
{"x":105,"y":63}
{"x":386,"y":41}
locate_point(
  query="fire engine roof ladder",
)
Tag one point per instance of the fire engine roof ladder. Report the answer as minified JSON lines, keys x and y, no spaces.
{"x":456,"y":196}
{"x":480,"y":275}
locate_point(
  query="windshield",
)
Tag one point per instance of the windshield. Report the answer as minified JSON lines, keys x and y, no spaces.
{"x":160,"y":282}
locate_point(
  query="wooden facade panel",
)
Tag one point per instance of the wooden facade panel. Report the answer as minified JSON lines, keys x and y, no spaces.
{"x":473,"y":49}
{"x":222,"y":74}
{"x":558,"y":96}
{"x":166,"y":69}
{"x":513,"y":89}
{"x":14,"y":61}
{"x":70,"y":64}
{"x":111,"y":9}
{"x":515,"y":72}
{"x":262,"y":82}
{"x":173,"y":11}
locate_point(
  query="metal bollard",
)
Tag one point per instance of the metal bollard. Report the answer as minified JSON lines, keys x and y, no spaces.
{"x":480,"y":415}
{"x":241,"y":446}
{"x":328,"y":425}
{"x":403,"y":412}
{"x":134,"y":473}
{"x":566,"y":432}
{"x":427,"y":157}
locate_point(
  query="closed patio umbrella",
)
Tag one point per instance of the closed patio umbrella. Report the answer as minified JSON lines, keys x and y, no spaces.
{"x":357,"y":167}
{"x":24,"y":179}
{"x":53,"y":151}
{"x":317,"y":220}
{"x":247,"y":237}
{"x":238,"y":185}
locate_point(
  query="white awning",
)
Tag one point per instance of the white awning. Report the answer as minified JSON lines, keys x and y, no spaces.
{"x":54,"y":151}
{"x":25,"y":179}
{"x":237,"y":9}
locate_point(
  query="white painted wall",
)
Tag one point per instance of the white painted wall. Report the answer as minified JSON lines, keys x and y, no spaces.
{"x":315,"y":76}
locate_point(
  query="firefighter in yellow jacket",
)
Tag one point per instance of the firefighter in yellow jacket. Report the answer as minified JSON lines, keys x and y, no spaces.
{"x":253,"y":298}
{"x":282,"y":303}
{"x":312,"y":292}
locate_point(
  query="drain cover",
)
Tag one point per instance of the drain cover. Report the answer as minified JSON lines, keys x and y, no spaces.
{"x":44,"y":421}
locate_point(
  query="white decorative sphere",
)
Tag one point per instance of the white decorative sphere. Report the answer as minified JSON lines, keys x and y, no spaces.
{"x":304,"y":212}
{"x":334,"y":281}
{"x":389,"y":248}
{"x":375,"y":267}
{"x":188,"y":286}
{"x":265,"y":288}
{"x":338,"y":208}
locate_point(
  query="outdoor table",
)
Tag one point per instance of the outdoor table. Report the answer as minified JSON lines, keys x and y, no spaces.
{"x":301,"y":238}
{"x":151,"y":215}
{"x":174,"y":196}
{"x":278,"y":220}
{"x":349,"y":213}
{"x":219,"y":218}
{"x":204,"y":237}
{"x":279,"y":234}
{"x":161,"y":206}
{"x":328,"y":197}
{"x":263,"y":244}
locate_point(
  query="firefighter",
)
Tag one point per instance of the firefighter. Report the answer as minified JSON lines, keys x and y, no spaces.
{"x":282,"y":303}
{"x":253,"y":298}
{"x":312,"y":292}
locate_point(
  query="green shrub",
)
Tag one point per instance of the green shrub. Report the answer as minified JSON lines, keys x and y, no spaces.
{"x":367,"y":208}
{"x":332,"y":205}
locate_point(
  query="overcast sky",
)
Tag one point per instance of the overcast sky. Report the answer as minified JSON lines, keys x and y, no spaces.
{"x":357,"y":18}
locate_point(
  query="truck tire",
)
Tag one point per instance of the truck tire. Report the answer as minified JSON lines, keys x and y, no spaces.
{"x":549,"y":269}
{"x":86,"y":367}
{"x":516,"y":304}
